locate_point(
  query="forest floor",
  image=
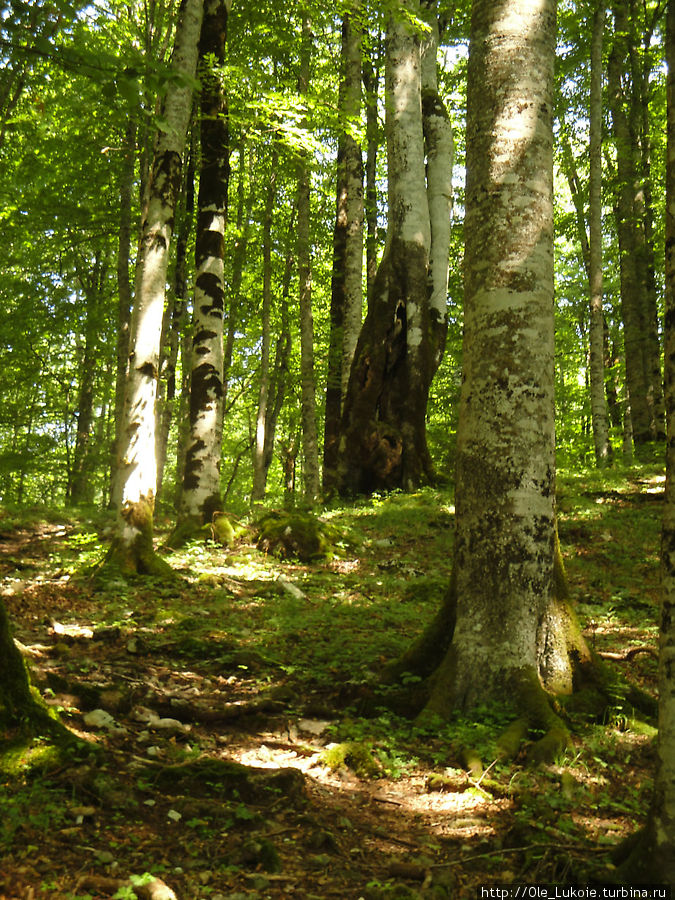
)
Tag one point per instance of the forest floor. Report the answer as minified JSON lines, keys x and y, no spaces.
{"x":259,"y":661}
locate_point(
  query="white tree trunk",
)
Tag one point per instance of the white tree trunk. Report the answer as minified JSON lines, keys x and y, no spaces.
{"x":138,"y":472}
{"x":440,"y":157}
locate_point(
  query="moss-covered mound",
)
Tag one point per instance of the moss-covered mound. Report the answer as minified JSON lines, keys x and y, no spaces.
{"x":297,"y":535}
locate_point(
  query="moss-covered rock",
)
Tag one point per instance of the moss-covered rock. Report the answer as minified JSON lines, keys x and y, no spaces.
{"x":297,"y":535}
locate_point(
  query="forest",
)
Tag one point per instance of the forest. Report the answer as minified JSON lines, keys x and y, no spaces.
{"x":337,"y":447}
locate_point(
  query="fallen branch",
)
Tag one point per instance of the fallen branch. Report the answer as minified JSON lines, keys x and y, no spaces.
{"x":629,"y":654}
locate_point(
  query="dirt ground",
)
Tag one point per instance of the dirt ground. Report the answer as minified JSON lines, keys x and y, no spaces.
{"x":152,"y":677}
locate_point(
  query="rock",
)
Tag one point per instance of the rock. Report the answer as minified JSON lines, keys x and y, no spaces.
{"x":99,"y":718}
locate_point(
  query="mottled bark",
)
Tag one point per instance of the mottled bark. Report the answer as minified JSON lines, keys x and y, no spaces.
{"x":597,"y":318}
{"x":505,"y":465}
{"x":653,"y":857}
{"x":347,"y":278}
{"x":201,"y":496}
{"x":132,"y":547}
{"x":310,"y":446}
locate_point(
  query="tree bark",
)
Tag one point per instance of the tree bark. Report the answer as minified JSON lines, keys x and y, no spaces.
{"x":259,"y":468}
{"x":81,"y":486}
{"x":201,"y":496}
{"x":506,"y":632}
{"x":383,"y":439}
{"x":310,"y":445}
{"x":132,"y":549}
{"x":371,"y":82}
{"x":597,"y":323}
{"x":347,"y":280}
{"x":123,"y":307}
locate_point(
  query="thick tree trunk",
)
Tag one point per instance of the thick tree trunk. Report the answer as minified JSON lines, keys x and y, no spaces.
{"x":653,"y":857}
{"x":201,"y":476}
{"x":505,"y":632}
{"x":597,"y":323}
{"x":383,"y":440}
{"x":132,"y":549}
{"x":347,"y":280}
{"x":310,"y":444}
{"x":21,"y":709}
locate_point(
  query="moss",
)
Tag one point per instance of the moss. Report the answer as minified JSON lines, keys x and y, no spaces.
{"x":297,"y":535}
{"x":535,"y":704}
{"x":220,"y":530}
{"x":353,"y":755}
{"x":510,"y":740}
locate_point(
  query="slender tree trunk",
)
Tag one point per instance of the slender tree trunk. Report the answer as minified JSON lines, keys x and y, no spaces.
{"x":631,"y":238}
{"x":132,"y":548}
{"x":201,"y":476}
{"x":597,"y":320}
{"x":347,"y":280}
{"x":439,"y":148}
{"x":653,"y":857}
{"x":310,"y":446}
{"x":81,"y":487}
{"x":123,"y":307}
{"x":259,"y":468}
{"x":371,"y":84}
{"x":173,"y":326}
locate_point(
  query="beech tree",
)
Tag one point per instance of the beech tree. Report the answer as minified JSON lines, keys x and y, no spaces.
{"x":506,"y":631}
{"x":132,"y":548}
{"x":201,"y":496}
{"x":383,"y":436}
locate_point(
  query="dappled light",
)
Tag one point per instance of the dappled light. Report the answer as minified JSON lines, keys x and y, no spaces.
{"x":270,"y":663}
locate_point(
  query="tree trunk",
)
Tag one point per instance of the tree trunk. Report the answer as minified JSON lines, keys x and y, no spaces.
{"x":506,"y":629}
{"x":132,"y":549}
{"x":21,"y":708}
{"x":201,"y":476}
{"x":173,"y":326}
{"x":630,"y":228}
{"x":383,"y":440}
{"x":310,"y":445}
{"x":371,"y":83}
{"x":81,"y":486}
{"x":597,"y":321}
{"x":346,"y":285}
{"x":123,"y":308}
{"x":439,"y":148}
{"x":652,"y":859}
{"x":259,"y":468}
